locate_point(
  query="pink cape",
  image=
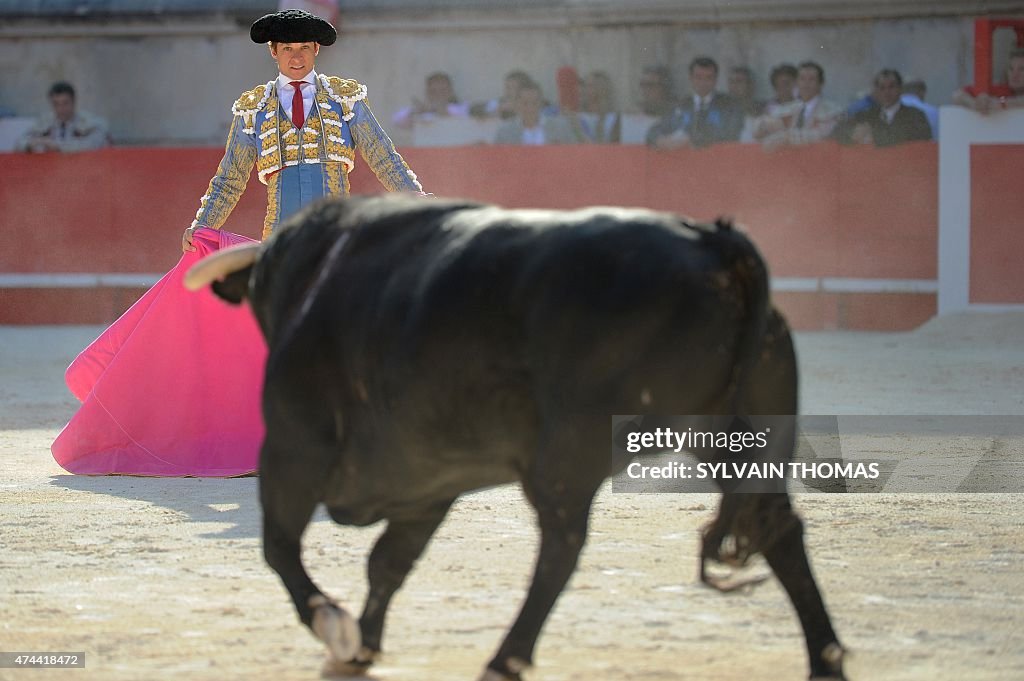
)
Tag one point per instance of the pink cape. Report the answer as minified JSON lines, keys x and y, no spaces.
{"x":173,"y":387}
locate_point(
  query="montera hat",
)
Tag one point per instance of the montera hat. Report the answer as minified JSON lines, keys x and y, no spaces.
{"x":292,"y":26}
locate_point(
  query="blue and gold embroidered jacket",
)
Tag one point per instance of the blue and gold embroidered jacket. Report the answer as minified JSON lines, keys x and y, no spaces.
{"x":300,"y":166}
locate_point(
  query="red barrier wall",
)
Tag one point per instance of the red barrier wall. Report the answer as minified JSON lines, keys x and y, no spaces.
{"x":997,"y":218}
{"x":823,"y":211}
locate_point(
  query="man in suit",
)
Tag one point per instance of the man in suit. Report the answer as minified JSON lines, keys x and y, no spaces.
{"x":704,"y":118}
{"x":890,"y":121}
{"x":531,"y":126}
{"x":808,"y":119}
{"x":914,"y":92}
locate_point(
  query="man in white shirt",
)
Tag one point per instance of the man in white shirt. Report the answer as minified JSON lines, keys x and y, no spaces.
{"x":66,"y":128}
{"x":530,"y":126}
{"x":807,"y":120}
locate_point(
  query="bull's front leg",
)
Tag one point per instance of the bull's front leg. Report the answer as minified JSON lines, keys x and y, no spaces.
{"x":393,"y":556}
{"x":563,"y":518}
{"x":287,"y":511}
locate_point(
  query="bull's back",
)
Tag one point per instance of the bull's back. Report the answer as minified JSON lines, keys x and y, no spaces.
{"x":605,"y":305}
{"x":506,"y":316}
{"x":467,"y":334}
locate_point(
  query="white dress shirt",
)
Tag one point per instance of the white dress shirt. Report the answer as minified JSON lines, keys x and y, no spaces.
{"x":285,"y":93}
{"x":809,"y":109}
{"x":533,"y":136}
{"x":890,"y":113}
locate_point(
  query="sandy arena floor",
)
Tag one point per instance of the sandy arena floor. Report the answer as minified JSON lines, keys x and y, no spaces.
{"x":164,"y":578}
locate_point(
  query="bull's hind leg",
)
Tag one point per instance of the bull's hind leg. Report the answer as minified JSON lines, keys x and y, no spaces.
{"x":788,"y":559}
{"x":287,"y":511}
{"x":748,"y":524}
{"x":391,"y":560}
{"x":766,"y":523}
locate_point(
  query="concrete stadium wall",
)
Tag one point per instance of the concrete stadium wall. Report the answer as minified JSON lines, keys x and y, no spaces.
{"x":173,"y":82}
{"x":850,"y":234}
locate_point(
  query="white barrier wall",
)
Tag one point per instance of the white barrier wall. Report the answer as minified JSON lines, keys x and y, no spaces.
{"x":960,"y":130}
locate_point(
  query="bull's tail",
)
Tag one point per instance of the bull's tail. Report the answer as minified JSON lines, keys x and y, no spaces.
{"x":741,"y":258}
{"x":747,"y":524}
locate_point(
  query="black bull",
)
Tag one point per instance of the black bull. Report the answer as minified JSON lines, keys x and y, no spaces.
{"x":420,"y":349}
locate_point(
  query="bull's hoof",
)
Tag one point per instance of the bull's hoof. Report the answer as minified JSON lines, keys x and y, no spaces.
{"x":492,"y":675}
{"x":336,"y":628}
{"x":354,"y":668}
{"x":832,"y":659}
{"x":515,"y":668}
{"x":733,"y":580}
{"x":726,"y":585}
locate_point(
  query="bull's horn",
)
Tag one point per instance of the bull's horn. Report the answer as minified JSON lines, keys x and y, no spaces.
{"x":220,"y":264}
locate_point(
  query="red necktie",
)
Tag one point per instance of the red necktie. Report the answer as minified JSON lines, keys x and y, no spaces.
{"x":298,"y":111}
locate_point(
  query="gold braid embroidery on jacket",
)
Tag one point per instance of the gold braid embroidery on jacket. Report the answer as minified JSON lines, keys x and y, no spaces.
{"x":227,"y":185}
{"x":272,"y":207}
{"x":377,"y":155}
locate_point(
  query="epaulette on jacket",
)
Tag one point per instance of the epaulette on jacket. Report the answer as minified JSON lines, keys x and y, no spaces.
{"x":250,"y":102}
{"x":343,"y":90}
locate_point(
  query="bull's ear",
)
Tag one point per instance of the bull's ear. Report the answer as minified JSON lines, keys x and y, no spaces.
{"x":233,"y":288}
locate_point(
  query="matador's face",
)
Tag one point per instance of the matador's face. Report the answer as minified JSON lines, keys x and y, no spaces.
{"x":295,"y":60}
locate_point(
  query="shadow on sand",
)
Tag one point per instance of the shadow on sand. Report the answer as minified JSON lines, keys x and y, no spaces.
{"x":202,"y":500}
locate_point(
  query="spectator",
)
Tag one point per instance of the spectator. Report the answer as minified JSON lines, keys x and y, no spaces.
{"x":440,"y":102}
{"x":598,"y":121}
{"x":783,"y":80}
{"x":741,"y":89}
{"x":865,"y":101}
{"x":66,"y":128}
{"x":1008,"y":95}
{"x":505,"y":105}
{"x":702,"y":119}
{"x":890,"y":122}
{"x":656,"y":98}
{"x":569,"y":84}
{"x":914,"y":92}
{"x":531,"y":126}
{"x":809,"y":119}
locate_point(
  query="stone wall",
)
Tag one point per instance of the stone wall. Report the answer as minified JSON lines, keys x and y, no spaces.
{"x":170,"y":79}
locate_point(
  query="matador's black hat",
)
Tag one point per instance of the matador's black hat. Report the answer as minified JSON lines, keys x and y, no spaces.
{"x":292,"y":26}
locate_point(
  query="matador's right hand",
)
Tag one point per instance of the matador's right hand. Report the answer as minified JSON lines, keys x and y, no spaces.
{"x":186,"y":240}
